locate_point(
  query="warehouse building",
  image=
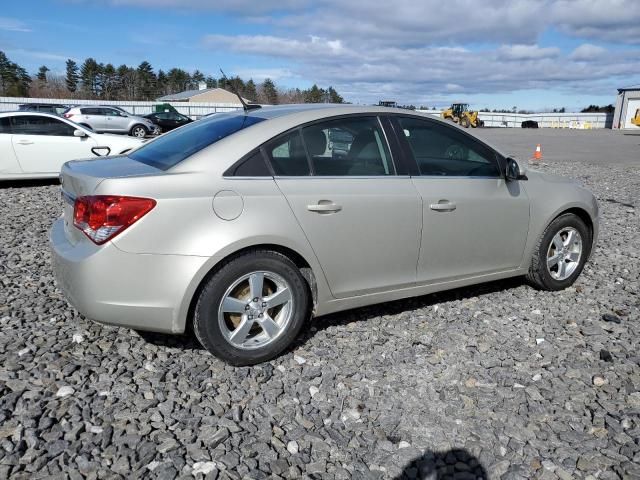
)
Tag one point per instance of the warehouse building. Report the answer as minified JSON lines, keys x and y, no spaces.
{"x":203,"y":94}
{"x":627,"y":112}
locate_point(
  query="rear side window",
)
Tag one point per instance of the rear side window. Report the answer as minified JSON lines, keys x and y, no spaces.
{"x":348,"y":147}
{"x":288,"y":156}
{"x":173,"y":147}
{"x":91,"y":111}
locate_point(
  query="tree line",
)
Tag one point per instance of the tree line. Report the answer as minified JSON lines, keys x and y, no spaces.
{"x":93,"y":80}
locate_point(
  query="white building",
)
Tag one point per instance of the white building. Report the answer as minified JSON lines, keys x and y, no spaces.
{"x":627,"y":104}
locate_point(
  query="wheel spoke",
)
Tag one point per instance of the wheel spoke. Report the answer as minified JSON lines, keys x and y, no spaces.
{"x":233,"y":305}
{"x":551,"y":261}
{"x":239,"y":335}
{"x":270,"y":327}
{"x":562,"y":270}
{"x":256,"y":282}
{"x":557,"y":242}
{"x":574,"y":256}
{"x":571,"y":237}
{"x":278,"y":298}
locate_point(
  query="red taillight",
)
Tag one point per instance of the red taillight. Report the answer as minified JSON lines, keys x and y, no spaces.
{"x":102,"y":217}
{"x":68,"y":115}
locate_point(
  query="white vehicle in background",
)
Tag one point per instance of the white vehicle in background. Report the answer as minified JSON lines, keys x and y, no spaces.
{"x":35,"y":145}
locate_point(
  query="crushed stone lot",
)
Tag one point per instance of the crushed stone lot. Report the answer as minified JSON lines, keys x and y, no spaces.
{"x":496,"y":380}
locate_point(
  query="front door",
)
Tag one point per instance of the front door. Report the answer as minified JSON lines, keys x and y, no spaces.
{"x":42,"y":144}
{"x":361,"y":219}
{"x":474,"y":222}
{"x":115,"y":120}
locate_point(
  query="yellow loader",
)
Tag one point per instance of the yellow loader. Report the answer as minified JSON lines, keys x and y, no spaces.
{"x":636,"y":120}
{"x":459,"y":113}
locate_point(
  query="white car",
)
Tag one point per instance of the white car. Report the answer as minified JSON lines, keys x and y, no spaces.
{"x":36,"y":145}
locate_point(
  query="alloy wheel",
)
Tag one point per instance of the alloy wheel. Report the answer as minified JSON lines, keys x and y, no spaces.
{"x":564,"y":253}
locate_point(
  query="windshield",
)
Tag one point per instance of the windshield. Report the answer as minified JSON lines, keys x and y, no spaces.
{"x":173,"y":147}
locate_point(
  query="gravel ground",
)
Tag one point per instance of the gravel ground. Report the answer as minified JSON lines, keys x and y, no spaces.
{"x":497,"y":380}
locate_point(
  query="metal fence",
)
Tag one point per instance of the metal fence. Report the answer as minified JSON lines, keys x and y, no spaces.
{"x":191,"y":109}
{"x":545,"y":120}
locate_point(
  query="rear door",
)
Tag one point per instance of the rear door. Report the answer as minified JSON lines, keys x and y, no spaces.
{"x":42,"y":144}
{"x":474,"y":222}
{"x":93,"y":117}
{"x":8,"y":162}
{"x":361,"y":218}
{"x":115,"y":120}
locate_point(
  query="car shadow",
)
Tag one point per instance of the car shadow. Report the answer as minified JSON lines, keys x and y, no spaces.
{"x":40,"y":182}
{"x":456,"y":464}
{"x":188,"y":340}
{"x":399,"y":306}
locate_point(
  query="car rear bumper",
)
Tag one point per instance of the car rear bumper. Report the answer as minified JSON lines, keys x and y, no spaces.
{"x":110,"y":286}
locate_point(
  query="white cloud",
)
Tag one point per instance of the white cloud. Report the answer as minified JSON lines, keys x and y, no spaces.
{"x":527,"y":52}
{"x":587,"y":52}
{"x":13,"y":25}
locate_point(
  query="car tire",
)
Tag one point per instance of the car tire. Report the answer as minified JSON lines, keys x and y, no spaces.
{"x":138,"y":131}
{"x":561,"y":253}
{"x":233,"y":318}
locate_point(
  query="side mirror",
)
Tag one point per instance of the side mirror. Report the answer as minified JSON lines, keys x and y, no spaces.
{"x":79,"y":133}
{"x":513,"y":171}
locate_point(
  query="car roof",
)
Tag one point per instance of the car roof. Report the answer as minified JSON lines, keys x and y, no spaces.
{"x":30,"y":113}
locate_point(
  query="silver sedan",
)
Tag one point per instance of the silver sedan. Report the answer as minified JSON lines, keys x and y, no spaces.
{"x":245,"y":224}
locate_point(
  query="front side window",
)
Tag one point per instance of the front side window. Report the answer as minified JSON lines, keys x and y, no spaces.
{"x":174,"y":147}
{"x":91,"y":111}
{"x":353,"y":146}
{"x":33,"y":125}
{"x":443,"y":151}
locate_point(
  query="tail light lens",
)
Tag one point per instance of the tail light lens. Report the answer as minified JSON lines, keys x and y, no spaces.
{"x":68,"y":115}
{"x":102,"y":217}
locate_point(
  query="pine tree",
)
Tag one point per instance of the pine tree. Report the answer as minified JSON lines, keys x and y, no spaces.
{"x":269,"y":92}
{"x":72,"y":76}
{"x":196,"y":78}
{"x":14,"y":80}
{"x":211,"y":82}
{"x":250,"y":90}
{"x":161,"y":83}
{"x":90,"y":77}
{"x":314,"y":95}
{"x":334,"y":97}
{"x":146,"y":85}
{"x":42,"y":73}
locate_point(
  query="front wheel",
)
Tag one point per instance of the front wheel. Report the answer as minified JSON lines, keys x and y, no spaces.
{"x":252,"y":308}
{"x":561,"y":253}
{"x":138,"y":131}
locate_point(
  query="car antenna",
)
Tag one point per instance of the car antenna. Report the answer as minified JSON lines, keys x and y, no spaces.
{"x":246,"y":106}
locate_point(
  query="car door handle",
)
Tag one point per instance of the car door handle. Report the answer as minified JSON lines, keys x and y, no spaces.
{"x":324,"y":208}
{"x":25,"y":142}
{"x":443,"y":206}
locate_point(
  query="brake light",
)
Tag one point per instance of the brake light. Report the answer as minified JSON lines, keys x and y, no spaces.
{"x":102,"y":217}
{"x":68,"y":115}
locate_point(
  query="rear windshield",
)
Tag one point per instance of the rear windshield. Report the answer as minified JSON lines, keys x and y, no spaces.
{"x":173,"y":147}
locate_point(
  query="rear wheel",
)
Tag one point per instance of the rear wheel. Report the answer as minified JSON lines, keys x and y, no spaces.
{"x":138,"y":131}
{"x":464,"y":122}
{"x":561,"y":253}
{"x":251,"y":309}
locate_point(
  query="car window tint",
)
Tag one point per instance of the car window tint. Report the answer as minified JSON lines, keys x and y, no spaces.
{"x":348,"y":147}
{"x":253,"y":166}
{"x":91,"y":111}
{"x":444,"y":151}
{"x":287,"y":155}
{"x":113,"y":112}
{"x":32,"y":125}
{"x":5,"y":125}
{"x":173,"y":147}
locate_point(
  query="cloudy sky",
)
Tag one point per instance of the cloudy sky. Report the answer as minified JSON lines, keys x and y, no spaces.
{"x":532,"y":54}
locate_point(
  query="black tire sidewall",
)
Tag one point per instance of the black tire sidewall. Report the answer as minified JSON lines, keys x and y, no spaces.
{"x":567,"y":220}
{"x":206,"y":324}
{"x":135,"y":127}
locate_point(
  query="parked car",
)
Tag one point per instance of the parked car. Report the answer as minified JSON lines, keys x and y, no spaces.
{"x":245,"y":224}
{"x":53,"y":108}
{"x":111,"y":120}
{"x":35,"y":145}
{"x":167,"y":121}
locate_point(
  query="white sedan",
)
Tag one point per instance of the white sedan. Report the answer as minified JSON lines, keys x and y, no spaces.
{"x":35,"y":145}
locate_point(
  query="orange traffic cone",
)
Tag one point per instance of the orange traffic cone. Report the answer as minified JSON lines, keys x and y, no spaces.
{"x":537,"y":155}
